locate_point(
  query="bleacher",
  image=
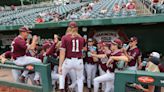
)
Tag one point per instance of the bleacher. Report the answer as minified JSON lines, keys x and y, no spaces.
{"x":159,"y":7}
{"x":28,"y":16}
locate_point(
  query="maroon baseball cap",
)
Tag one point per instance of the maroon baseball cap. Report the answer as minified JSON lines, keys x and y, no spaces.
{"x":117,"y":42}
{"x":133,"y":39}
{"x":72,"y":24}
{"x":24,"y":29}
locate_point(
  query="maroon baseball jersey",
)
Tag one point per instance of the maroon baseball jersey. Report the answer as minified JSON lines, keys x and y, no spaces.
{"x":73,"y":46}
{"x":112,"y":66}
{"x":135,"y":53}
{"x":18,"y":47}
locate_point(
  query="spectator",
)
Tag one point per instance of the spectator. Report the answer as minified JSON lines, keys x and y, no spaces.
{"x":123,"y":5}
{"x":13,"y":7}
{"x":152,"y":66}
{"x":153,"y":2}
{"x":90,"y":8}
{"x":116,"y":8}
{"x":39,"y":19}
{"x":73,"y":16}
{"x":103,"y":10}
{"x":85,"y":15}
{"x":1,"y":8}
{"x":131,"y":6}
{"x":56,"y":17}
{"x":48,"y":17}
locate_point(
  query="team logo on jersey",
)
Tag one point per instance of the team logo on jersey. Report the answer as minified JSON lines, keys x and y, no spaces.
{"x":145,"y":79}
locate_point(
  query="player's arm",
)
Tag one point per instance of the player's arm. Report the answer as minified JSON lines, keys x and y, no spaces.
{"x":98,"y":55}
{"x":120,"y":58}
{"x":51,"y":50}
{"x":62,"y":55}
{"x":34,"y":42}
{"x":150,"y":88}
{"x":126,"y":54}
{"x":3,"y":56}
{"x":117,"y":58}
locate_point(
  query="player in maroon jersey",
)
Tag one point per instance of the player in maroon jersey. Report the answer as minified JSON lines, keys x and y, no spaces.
{"x":91,"y":63}
{"x":133,"y":54}
{"x":110,"y":66}
{"x":71,"y":56}
{"x":20,"y":47}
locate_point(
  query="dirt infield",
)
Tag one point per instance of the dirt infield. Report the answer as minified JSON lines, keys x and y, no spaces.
{"x":5,"y":74}
{"x":12,"y":89}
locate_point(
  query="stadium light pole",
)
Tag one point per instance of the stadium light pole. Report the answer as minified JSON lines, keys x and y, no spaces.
{"x":22,"y":3}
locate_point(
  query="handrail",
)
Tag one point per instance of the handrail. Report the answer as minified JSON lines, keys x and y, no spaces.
{"x":149,"y":7}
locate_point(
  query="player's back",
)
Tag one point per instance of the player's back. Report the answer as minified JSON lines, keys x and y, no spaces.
{"x":73,"y":45}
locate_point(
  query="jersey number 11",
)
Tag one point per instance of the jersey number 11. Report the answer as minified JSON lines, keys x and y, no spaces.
{"x":75,"y":45}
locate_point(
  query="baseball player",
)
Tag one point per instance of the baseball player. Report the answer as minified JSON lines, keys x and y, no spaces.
{"x":110,"y":66}
{"x":71,"y":56}
{"x":133,"y":54}
{"x":19,"y":48}
{"x":91,"y":64}
{"x":105,"y":49}
{"x":51,"y":50}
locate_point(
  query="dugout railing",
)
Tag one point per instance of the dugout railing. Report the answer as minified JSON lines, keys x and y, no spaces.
{"x":138,"y":77}
{"x":45,"y":75}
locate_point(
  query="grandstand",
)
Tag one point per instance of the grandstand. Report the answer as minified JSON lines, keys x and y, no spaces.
{"x":27,"y":16}
{"x":146,"y":21}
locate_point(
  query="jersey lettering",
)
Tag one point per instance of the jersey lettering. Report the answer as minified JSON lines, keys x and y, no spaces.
{"x":75,"y":45}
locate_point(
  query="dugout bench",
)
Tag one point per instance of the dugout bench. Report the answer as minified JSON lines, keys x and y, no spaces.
{"x":43,"y":69}
{"x":139,"y":77}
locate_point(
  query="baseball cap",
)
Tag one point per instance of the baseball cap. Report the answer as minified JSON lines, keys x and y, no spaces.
{"x":133,"y":39}
{"x":72,"y":24}
{"x":24,"y":29}
{"x":155,"y":54}
{"x":154,"y":60}
{"x":117,"y":42}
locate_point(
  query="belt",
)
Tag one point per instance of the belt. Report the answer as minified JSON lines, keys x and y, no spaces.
{"x":74,"y":57}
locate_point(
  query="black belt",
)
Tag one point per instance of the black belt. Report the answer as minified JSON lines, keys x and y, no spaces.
{"x":74,"y":57}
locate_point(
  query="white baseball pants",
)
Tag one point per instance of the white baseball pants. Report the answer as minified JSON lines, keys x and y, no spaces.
{"x":102,"y":72}
{"x":25,"y":60}
{"x":108,"y":78}
{"x":91,"y":70}
{"x":75,"y":64}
